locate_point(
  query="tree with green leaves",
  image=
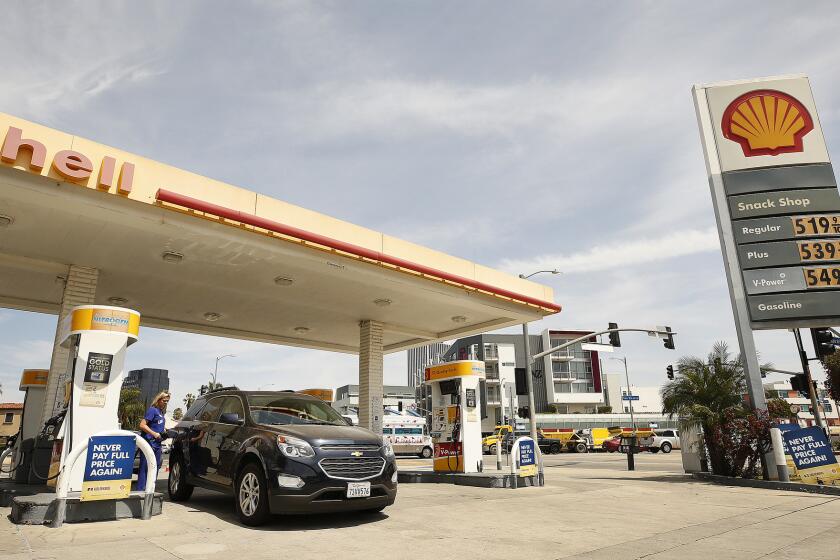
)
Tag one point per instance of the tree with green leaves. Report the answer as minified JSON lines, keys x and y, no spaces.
{"x":211,"y":386}
{"x":131,"y":409}
{"x":708,"y":395}
{"x":831,"y":363}
{"x":189,"y":399}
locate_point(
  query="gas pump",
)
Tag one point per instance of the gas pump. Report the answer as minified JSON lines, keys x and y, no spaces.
{"x":456,"y":420}
{"x":33,"y":382}
{"x":97,"y":337}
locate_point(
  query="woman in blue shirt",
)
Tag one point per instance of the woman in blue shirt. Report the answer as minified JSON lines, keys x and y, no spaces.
{"x":153,"y":431}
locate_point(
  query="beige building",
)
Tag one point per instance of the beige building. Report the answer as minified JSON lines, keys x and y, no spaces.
{"x":10,"y":415}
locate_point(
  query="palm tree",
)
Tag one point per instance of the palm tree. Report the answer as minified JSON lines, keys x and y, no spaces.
{"x":131,"y":409}
{"x":704,"y":392}
{"x":189,"y":399}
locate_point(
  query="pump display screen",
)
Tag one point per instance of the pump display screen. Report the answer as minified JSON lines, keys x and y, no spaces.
{"x":449,"y":387}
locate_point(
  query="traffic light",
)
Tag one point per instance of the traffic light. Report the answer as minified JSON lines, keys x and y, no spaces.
{"x":799,"y":383}
{"x":669,"y":340}
{"x":615,"y":340}
{"x":523,"y":412}
{"x":670,"y":371}
{"x":822,"y":338}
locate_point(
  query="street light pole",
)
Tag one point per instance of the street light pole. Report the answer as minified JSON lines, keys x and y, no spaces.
{"x":631,"y":448}
{"x":529,"y":381}
{"x":629,"y":391}
{"x":216,"y":370}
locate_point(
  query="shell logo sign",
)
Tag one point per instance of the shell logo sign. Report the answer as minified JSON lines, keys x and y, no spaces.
{"x":767,"y":123}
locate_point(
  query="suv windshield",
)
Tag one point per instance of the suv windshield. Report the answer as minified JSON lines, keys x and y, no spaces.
{"x":275,"y":410}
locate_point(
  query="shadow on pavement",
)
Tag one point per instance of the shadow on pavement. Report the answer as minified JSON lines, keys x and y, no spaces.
{"x":670,"y":478}
{"x":221,"y":506}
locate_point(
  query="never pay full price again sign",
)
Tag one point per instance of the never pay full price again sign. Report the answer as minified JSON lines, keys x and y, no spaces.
{"x":812,"y":456}
{"x":108,"y":468}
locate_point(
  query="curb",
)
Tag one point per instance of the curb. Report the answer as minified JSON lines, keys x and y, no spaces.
{"x":768,"y":484}
{"x":480,"y":480}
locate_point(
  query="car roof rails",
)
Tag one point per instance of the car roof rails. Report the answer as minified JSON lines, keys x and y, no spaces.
{"x":229,"y":388}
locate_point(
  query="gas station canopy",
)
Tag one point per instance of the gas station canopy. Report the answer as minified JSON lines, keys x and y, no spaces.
{"x":198,"y":255}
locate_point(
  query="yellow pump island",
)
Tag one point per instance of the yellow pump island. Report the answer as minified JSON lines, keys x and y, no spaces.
{"x":456,"y":417}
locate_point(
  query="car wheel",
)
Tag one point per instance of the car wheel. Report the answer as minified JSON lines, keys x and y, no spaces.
{"x":666,"y":447}
{"x":581,"y":448}
{"x":654,"y":450}
{"x":493,"y":449}
{"x":554,"y":449}
{"x":179,"y":490}
{"x":426,"y":453}
{"x":251,"y":496}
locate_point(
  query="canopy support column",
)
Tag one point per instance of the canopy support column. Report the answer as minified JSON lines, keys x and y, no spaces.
{"x":370,"y":375}
{"x":79,"y":289}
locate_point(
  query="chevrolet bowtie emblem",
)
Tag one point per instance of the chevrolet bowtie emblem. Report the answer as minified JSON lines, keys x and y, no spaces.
{"x":356,"y":454}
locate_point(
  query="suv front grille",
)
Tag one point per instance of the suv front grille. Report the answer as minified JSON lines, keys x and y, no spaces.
{"x":350,"y":447}
{"x":352,"y":468}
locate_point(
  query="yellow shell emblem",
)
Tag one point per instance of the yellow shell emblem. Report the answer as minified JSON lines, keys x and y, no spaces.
{"x":767,"y":123}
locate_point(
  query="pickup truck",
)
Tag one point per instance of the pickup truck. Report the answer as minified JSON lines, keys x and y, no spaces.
{"x":662,"y":440}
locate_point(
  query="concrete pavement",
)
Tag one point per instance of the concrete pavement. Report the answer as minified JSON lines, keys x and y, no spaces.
{"x":591,"y":509}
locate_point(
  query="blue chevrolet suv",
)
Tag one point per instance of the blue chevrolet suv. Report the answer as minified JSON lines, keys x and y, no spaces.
{"x":279,"y":453}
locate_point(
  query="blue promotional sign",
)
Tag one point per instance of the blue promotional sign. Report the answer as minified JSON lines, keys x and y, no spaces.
{"x":527,"y":451}
{"x":108,"y":467}
{"x":629,"y":397}
{"x":812,"y":455}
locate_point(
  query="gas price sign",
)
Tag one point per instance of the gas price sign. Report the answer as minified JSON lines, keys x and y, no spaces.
{"x":779,"y":206}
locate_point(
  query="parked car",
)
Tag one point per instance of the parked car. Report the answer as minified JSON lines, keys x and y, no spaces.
{"x":612,"y":444}
{"x":662,"y":440}
{"x":279,"y":452}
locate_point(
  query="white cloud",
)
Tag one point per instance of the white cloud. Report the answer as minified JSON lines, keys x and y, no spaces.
{"x":622,"y":253}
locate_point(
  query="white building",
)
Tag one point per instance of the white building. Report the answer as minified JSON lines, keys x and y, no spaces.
{"x":347,"y":398}
{"x":805,"y":416}
{"x":422,"y":357}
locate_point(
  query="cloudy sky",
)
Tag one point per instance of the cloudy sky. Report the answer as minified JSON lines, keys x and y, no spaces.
{"x":521,"y":135}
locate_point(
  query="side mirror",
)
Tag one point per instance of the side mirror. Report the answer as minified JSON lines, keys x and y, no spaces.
{"x":231,"y":418}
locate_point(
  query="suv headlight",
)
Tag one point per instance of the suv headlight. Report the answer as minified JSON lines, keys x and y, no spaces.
{"x":387,"y":448}
{"x":294,"y":447}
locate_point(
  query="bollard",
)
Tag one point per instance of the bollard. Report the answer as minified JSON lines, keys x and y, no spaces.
{"x":631,"y":448}
{"x":60,"y":512}
{"x":779,"y":454}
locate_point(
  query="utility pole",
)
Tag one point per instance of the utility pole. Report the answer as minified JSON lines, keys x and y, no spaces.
{"x":529,"y":381}
{"x":812,"y":393}
{"x":532,"y":416}
{"x":631,"y":460}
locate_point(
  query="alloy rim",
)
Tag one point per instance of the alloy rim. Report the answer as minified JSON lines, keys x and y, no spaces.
{"x":249,"y":494}
{"x":176,"y":477}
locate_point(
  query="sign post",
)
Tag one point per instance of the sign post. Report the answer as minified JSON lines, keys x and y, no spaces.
{"x":777,"y":209}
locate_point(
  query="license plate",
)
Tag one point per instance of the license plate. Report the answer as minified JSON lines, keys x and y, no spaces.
{"x":358,"y":489}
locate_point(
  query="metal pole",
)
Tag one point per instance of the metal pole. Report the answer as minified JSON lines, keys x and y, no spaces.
{"x":530,"y":383}
{"x":807,"y":369}
{"x":501,"y":423}
{"x":512,"y":423}
{"x":737,"y":293}
{"x":631,"y":460}
{"x":216,"y":371}
{"x":630,"y":394}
